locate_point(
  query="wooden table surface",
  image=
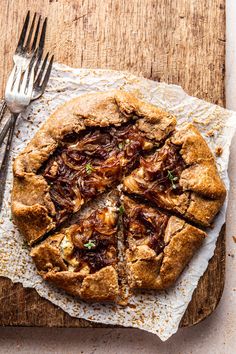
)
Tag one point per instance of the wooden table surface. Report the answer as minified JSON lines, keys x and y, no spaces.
{"x":176,"y":41}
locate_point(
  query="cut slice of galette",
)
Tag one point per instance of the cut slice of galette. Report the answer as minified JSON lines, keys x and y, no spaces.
{"x":82,"y":258}
{"x":181,"y":176}
{"x":158,"y":246}
{"x":65,"y":199}
{"x":92,"y":163}
{"x":84,"y":148}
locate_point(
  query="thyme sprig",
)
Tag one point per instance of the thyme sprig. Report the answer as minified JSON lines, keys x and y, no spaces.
{"x":90,"y":244}
{"x":172,"y":178}
{"x":89,"y":168}
{"x":121,"y":209}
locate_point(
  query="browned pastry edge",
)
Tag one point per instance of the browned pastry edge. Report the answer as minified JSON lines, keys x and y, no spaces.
{"x":147,"y":270}
{"x":99,"y":286}
{"x":32,"y":208}
{"x":200,"y":178}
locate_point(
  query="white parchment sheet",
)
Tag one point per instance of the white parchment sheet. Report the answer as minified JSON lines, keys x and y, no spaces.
{"x":156,"y":312}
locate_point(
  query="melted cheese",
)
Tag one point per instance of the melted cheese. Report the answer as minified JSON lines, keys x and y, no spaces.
{"x":66,"y":247}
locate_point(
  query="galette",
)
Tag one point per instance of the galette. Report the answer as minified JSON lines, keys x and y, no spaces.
{"x":111,"y":193}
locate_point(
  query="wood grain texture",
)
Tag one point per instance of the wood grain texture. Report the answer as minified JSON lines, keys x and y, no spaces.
{"x":177,"y":41}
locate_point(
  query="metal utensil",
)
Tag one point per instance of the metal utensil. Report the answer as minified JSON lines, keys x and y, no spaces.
{"x":25,"y":52}
{"x":2,"y":110}
{"x":27,"y":82}
{"x":26,"y":48}
{"x":39,"y":85}
{"x":19,"y":90}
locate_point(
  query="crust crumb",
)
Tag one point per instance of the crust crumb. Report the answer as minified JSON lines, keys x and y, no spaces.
{"x":210,"y":133}
{"x":218,"y":151}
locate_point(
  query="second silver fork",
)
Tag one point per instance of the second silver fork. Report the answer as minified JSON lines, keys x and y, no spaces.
{"x":26,"y":82}
{"x":29,"y":51}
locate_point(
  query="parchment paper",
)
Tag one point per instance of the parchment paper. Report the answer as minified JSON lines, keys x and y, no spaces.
{"x":159,"y":312}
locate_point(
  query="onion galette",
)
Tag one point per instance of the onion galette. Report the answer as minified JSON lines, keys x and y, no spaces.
{"x":158,"y":246}
{"x":108,"y":172}
{"x":82,"y":258}
{"x":181,"y":177}
{"x":83,"y":149}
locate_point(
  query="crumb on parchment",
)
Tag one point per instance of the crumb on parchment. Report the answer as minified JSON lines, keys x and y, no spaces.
{"x":210,"y":133}
{"x":218,"y":151}
{"x":234,"y":238}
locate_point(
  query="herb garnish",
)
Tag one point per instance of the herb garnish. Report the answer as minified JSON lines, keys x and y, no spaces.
{"x":90,"y":244}
{"x":89,"y":168}
{"x":121,"y":209}
{"x":172,"y":178}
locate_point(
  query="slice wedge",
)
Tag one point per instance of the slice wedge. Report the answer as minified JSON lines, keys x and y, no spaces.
{"x":158,"y":246}
{"x":181,"y":177}
{"x":82,"y":259}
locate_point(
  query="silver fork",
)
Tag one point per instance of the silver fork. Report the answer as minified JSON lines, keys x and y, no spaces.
{"x":19,"y":90}
{"x":25,"y":84}
{"x":27,"y":49}
{"x":40,"y":83}
{"x":37,"y":90}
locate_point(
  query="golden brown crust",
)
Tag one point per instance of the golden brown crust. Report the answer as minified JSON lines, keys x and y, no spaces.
{"x":201,"y":176}
{"x":99,"y":109}
{"x":156,"y":258}
{"x":153,"y":266}
{"x":203,"y":192}
{"x":143,"y":272}
{"x":100,"y":286}
{"x":82,"y":258}
{"x":177,"y":254}
{"x":55,"y":265}
{"x":32,"y":208}
{"x":67,"y":281}
{"x":91,"y":110}
{"x":47,"y":256}
{"x":150,"y":271}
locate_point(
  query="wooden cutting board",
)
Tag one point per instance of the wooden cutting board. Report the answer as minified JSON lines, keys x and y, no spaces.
{"x":176,"y":41}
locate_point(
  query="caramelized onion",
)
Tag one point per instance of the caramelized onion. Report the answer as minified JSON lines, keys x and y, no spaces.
{"x":99,"y":229}
{"x":164,"y":161}
{"x":81,"y":236}
{"x":146,"y":226}
{"x":92,"y":163}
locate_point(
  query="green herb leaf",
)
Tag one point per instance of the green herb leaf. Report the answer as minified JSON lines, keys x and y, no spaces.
{"x":121,"y":209}
{"x":172,"y":178}
{"x":89,"y":168}
{"x":89,"y":245}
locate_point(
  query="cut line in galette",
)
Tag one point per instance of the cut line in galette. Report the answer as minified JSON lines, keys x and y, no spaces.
{"x":109,"y":181}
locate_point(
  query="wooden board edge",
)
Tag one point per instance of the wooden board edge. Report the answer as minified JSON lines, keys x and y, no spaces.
{"x":33,"y":306}
{"x":202,"y":305}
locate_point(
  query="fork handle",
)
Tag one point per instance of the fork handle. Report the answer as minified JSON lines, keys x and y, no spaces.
{"x":6,"y":127}
{"x":2,"y":110}
{"x":4,"y":165}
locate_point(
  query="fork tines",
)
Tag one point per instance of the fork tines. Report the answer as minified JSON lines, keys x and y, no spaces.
{"x":25,"y":43}
{"x":42,"y":77}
